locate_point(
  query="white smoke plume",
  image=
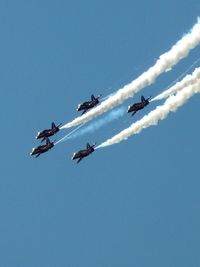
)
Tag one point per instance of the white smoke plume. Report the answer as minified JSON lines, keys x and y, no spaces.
{"x":69,"y":134}
{"x":95,"y":125}
{"x":160,"y":113}
{"x":188,"y":80}
{"x":165,"y":62}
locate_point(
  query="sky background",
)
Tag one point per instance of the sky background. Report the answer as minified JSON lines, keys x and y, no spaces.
{"x":133,"y":204}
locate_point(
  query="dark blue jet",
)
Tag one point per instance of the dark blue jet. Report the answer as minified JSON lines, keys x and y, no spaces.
{"x":43,"y":148}
{"x":89,"y":104}
{"x":84,"y":153}
{"x":138,"y":106}
{"x":48,"y":132}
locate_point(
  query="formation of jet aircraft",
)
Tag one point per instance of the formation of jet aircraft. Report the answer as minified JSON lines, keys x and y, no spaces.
{"x":45,"y":134}
{"x":89,"y":104}
{"x":140,"y":105}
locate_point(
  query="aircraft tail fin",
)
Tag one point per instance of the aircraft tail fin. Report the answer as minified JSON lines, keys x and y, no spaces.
{"x":142,"y":98}
{"x":53,"y":125}
{"x":93,"y":97}
{"x":88,"y":146}
{"x":47,"y":140}
{"x":95,"y":144}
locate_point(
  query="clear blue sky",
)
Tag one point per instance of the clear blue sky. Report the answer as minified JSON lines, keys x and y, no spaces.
{"x":132,"y":204}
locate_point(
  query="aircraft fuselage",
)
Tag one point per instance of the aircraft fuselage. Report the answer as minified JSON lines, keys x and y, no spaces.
{"x":47,"y":133}
{"x":41,"y":149}
{"x":83,"y":153}
{"x":88,"y":104}
{"x":138,"y":106}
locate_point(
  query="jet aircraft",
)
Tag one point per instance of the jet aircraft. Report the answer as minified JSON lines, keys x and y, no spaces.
{"x":89,"y":104}
{"x":43,"y":148}
{"x":137,"y":106}
{"x":84,"y":153}
{"x":48,"y":132}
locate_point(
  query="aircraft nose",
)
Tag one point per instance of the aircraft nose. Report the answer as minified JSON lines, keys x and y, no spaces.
{"x":37,"y":136}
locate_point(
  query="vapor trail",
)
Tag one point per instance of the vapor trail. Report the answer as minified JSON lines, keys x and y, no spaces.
{"x":69,"y":134}
{"x":165,"y":62}
{"x":188,"y":80}
{"x":160,"y":113}
{"x":95,"y":125}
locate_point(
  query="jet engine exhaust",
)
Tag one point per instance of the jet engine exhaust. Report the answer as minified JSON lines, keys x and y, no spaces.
{"x":95,"y":125}
{"x":186,"y":81}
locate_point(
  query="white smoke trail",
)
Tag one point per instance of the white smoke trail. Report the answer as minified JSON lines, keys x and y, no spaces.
{"x":95,"y":125}
{"x":184,"y":73}
{"x":69,"y":134}
{"x":160,"y":113}
{"x":188,"y":80}
{"x":165,"y":62}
